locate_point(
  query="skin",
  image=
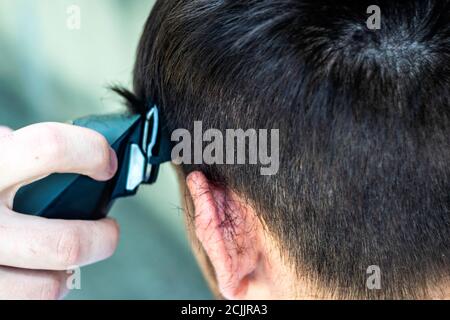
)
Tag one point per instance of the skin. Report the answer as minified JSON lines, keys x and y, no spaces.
{"x":248,"y":265}
{"x":35,"y":252}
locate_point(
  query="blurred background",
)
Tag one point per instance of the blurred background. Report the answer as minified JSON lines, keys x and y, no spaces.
{"x":53,"y":68}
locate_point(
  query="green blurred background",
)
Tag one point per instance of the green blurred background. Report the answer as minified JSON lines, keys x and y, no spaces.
{"x":49,"y":72}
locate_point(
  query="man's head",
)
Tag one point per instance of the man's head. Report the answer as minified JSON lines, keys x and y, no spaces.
{"x":364,"y":120}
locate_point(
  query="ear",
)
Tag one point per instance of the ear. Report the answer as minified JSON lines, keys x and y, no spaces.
{"x":230,"y":234}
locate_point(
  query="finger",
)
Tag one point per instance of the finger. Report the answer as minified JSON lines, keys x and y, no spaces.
{"x":5,"y":131}
{"x":42,"y":149}
{"x":19,"y":284}
{"x":30,"y":242}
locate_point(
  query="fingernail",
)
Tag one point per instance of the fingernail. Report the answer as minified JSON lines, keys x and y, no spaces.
{"x":113,"y":162}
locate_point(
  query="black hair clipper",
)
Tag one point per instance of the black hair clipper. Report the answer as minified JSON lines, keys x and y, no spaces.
{"x":141,"y":145}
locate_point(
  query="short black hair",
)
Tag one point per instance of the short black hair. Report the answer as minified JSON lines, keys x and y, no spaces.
{"x":364,"y":119}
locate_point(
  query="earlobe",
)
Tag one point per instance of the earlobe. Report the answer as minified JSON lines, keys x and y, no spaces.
{"x":229,"y":232}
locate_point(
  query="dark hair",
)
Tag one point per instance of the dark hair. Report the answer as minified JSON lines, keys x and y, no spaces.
{"x":364,"y":119}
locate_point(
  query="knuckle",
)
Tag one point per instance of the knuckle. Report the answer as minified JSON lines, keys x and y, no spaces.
{"x":68,"y":249}
{"x":49,"y":141}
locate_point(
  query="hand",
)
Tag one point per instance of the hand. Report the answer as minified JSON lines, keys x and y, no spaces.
{"x":36,"y":252}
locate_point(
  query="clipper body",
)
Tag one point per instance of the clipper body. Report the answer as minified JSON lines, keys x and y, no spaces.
{"x":137,"y":143}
